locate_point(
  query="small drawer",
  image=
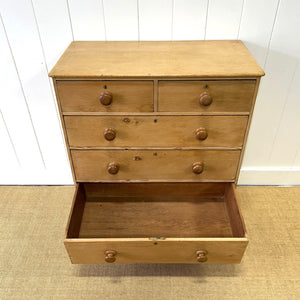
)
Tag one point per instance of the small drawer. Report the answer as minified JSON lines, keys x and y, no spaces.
{"x":156,"y":165}
{"x":105,"y":96}
{"x":226,"y":96}
{"x":156,"y":131}
{"x":155,"y":223}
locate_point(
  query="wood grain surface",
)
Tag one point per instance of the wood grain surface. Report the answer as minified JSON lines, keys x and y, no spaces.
{"x":142,"y":228}
{"x":134,"y":218}
{"x":156,"y":131}
{"x":159,"y":165}
{"x":227,"y":96}
{"x":155,"y":189}
{"x":84,"y":96}
{"x":160,"y":59}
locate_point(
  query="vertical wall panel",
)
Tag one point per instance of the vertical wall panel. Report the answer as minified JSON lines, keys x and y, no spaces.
{"x":287,"y":139}
{"x":54,"y":27}
{"x":223,"y":19}
{"x":28,"y":54}
{"x":256,"y":27}
{"x":39,"y":31}
{"x":189,"y":19}
{"x":155,"y":19}
{"x":280,"y":69}
{"x":15,"y":112}
{"x":121,"y":20}
{"x":87,"y":20}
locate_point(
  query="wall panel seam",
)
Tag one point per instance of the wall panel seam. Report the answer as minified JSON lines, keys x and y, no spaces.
{"x":104,"y":23}
{"x":272,"y":30}
{"x":138,"y":17}
{"x":172,"y":21}
{"x":206,"y":17}
{"x":241,"y":17}
{"x":10,"y":138}
{"x":69,"y":14}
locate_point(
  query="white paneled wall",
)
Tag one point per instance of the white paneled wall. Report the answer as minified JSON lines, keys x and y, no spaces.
{"x":34,"y":33}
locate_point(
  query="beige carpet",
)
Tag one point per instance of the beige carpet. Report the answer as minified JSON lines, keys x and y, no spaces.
{"x":34,"y":264}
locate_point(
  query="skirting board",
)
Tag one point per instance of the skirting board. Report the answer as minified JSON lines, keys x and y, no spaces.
{"x":269,"y":176}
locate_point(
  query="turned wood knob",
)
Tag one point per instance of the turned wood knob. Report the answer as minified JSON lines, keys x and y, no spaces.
{"x":109,"y":134}
{"x":110,"y":256}
{"x":198,"y":167}
{"x":205,"y":99}
{"x":201,"y":255}
{"x":106,"y":98}
{"x":201,"y":134}
{"x":113,"y":168}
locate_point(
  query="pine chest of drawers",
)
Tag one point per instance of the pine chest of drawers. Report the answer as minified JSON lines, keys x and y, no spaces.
{"x":155,"y":133}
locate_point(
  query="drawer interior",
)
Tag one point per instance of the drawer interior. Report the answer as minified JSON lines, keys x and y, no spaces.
{"x":152,"y":210}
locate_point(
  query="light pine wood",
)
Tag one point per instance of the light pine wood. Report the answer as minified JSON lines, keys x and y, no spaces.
{"x":85,"y":96}
{"x":226,"y":96}
{"x":153,"y":114}
{"x":155,"y":131}
{"x":247,"y":130}
{"x":63,"y":125}
{"x":75,"y":217}
{"x":141,"y":165}
{"x":170,"y":189}
{"x":235,"y":214}
{"x":143,"y":231}
{"x":176,"y":250}
{"x":129,"y":218}
{"x":159,"y":59}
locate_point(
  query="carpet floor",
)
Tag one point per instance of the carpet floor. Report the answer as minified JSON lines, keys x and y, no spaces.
{"x":35,"y":265}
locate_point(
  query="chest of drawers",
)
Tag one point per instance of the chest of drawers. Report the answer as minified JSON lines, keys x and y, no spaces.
{"x":155,"y":133}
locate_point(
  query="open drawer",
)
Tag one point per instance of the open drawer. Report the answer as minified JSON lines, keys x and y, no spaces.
{"x":155,"y":223}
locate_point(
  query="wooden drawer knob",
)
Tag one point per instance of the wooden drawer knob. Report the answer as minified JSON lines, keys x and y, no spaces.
{"x":113,"y":168}
{"x":205,"y":99}
{"x":198,"y":167}
{"x":201,"y":134}
{"x":110,"y":256}
{"x":109,"y":134}
{"x":201,"y":255}
{"x":106,"y":98}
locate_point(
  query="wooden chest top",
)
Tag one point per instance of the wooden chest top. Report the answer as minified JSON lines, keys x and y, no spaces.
{"x":187,"y":59}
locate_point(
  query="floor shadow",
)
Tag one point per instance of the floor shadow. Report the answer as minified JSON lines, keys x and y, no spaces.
{"x":186,"y":270}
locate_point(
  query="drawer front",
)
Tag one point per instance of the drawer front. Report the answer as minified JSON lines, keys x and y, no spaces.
{"x":152,"y":131}
{"x":105,"y":96}
{"x":220,"y":250}
{"x":206,"y":96}
{"x":141,"y":165}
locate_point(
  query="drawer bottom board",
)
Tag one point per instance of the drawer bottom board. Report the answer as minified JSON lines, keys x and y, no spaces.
{"x":123,"y":218}
{"x":167,"y":225}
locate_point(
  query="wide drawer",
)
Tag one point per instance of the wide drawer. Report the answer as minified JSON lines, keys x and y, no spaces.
{"x":105,"y":96}
{"x":155,"y":223}
{"x":156,"y":131}
{"x":206,"y":96}
{"x":157,"y":165}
